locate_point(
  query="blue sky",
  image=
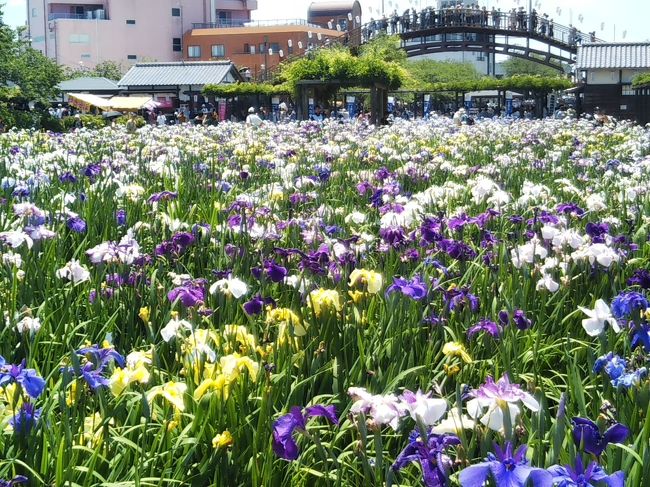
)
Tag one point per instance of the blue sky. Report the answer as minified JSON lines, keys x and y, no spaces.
{"x":625,"y":20}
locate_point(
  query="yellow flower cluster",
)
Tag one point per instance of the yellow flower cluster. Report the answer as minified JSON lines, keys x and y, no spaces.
{"x":370,"y":280}
{"x":229,"y":369}
{"x":135,"y":371}
{"x":324,"y":301}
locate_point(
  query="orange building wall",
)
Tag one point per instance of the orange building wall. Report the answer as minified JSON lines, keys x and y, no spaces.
{"x":234,"y":40}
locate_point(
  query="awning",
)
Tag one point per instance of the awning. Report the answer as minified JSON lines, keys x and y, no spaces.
{"x":84,"y":101}
{"x":128,"y":103}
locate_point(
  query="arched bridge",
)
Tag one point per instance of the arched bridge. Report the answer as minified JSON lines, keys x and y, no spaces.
{"x":528,"y":36}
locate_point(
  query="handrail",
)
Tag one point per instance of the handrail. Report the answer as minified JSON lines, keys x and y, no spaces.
{"x":227,"y":24}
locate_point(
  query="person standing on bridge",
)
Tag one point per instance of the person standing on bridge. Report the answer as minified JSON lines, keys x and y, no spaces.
{"x":543,"y":24}
{"x":512,"y":25}
{"x":550,"y":28}
{"x":533,"y":20}
{"x":496,"y":19}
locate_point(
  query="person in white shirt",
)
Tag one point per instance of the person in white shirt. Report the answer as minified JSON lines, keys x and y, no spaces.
{"x":161,"y":120}
{"x":253,"y":118}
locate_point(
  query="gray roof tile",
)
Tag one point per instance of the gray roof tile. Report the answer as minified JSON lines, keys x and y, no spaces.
{"x":88,"y":83}
{"x":617,"y":55}
{"x":180,"y":73}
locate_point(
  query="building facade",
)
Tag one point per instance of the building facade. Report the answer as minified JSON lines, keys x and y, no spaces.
{"x":87,"y":32}
{"x":256,"y":48}
{"x":606,"y":71}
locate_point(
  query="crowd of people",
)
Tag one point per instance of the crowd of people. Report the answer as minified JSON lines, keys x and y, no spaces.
{"x":473,"y":16}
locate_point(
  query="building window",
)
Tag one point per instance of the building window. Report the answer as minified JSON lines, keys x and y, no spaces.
{"x":176,"y":12}
{"x":176,"y":44}
{"x":218,"y":50}
{"x":627,"y":90}
{"x":193,"y":51}
{"x":130,"y":22}
{"x":132,"y":57}
{"x":34,"y":12}
{"x":85,"y":56}
{"x":79,"y":39}
{"x":247,"y":49}
{"x":251,"y":49}
{"x":275,"y":47}
{"x":224,"y":17}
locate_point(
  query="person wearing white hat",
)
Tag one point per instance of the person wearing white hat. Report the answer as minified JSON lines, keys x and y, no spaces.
{"x":253,"y":118}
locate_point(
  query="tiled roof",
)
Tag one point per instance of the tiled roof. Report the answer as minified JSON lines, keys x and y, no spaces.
{"x":181,"y":73}
{"x":88,"y":83}
{"x":618,"y":55}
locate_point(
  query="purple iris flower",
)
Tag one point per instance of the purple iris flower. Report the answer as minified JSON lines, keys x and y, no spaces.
{"x":593,"y":475}
{"x":414,"y":289}
{"x":76,"y":224}
{"x":521,"y":321}
{"x":505,"y":468}
{"x":190,"y":294}
{"x":284,"y":445}
{"x":431,"y":230}
{"x":92,"y":171}
{"x":275,"y":272}
{"x":488,"y":326}
{"x":120,"y":217}
{"x":641,"y":336}
{"x":162,"y":196}
{"x":458,"y":298}
{"x":25,"y":419}
{"x":18,"y":479}
{"x":430,"y":455}
{"x":597,"y":231}
{"x":456,"y":223}
{"x":256,"y":305}
{"x":393,"y":236}
{"x":626,"y":303}
{"x":68,"y":177}
{"x":570,"y":209}
{"x":97,"y":359}
{"x":641,"y":278}
{"x":587,"y":435}
{"x":28,"y":379}
{"x":457,"y":250}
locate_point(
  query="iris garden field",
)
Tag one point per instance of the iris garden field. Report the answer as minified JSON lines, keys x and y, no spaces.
{"x":329,"y":304}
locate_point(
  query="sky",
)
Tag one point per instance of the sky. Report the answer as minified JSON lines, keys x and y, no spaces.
{"x":624,"y":20}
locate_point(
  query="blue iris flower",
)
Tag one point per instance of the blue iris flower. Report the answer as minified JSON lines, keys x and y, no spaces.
{"x":32,"y":383}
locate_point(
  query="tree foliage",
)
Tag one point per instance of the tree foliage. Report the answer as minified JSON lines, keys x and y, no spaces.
{"x":427,"y":71}
{"x":516,"y":66}
{"x":26,"y":75}
{"x":244,"y":89}
{"x":641,"y":79}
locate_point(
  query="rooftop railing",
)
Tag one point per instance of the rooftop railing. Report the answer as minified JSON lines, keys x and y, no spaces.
{"x":227,"y":24}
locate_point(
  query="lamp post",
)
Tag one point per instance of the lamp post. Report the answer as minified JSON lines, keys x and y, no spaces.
{"x":266,"y":56}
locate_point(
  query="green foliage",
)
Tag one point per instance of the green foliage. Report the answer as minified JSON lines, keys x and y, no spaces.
{"x":107,"y":69}
{"x":338,"y":64}
{"x":139,"y":121}
{"x":537,"y":84}
{"x":641,"y":79}
{"x":429,"y":71}
{"x":517,"y":66}
{"x":89,"y":122}
{"x":384,"y":47}
{"x":243,"y":89}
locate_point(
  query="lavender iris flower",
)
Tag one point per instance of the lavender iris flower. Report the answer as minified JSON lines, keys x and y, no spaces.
{"x":587,"y":435}
{"x":627,"y":303}
{"x":284,"y":445}
{"x":430,"y":455}
{"x":162,"y":196}
{"x":189,"y":295}
{"x":506,"y":468}
{"x":457,"y":250}
{"x":593,"y":475}
{"x":25,"y":419}
{"x":488,"y":326}
{"x":18,"y":479}
{"x":414,"y":289}
{"x":76,"y":224}
{"x":29,"y":380}
{"x":459,"y":298}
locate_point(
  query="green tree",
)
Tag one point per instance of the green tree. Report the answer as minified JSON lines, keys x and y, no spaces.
{"x":26,"y":75}
{"x":429,"y":71}
{"x":514,"y":66}
{"x":384,"y":47}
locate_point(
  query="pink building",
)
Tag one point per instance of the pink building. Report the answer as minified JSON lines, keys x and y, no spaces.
{"x":87,"y":32}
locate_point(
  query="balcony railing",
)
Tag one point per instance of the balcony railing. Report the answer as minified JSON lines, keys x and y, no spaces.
{"x":226,"y":24}
{"x":91,"y":15}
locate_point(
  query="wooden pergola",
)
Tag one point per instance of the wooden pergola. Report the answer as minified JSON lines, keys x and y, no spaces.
{"x":315,"y":89}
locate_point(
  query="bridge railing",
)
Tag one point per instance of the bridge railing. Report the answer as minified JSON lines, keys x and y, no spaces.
{"x":519,"y":23}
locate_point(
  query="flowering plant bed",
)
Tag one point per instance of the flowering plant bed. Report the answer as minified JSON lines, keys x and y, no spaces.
{"x":326,"y":304}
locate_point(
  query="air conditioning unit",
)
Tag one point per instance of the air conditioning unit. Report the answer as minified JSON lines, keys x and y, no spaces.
{"x":89,"y":14}
{"x":100,"y":14}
